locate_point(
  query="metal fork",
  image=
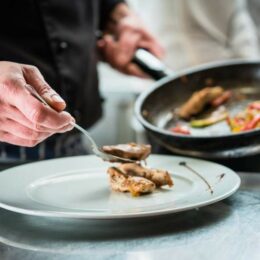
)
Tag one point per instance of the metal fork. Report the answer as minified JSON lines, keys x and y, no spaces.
{"x":94,"y":147}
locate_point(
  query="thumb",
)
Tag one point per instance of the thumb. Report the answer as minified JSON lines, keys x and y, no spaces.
{"x":34,"y":78}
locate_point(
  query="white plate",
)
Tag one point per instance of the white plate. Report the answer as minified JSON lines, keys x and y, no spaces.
{"x":77,"y":187}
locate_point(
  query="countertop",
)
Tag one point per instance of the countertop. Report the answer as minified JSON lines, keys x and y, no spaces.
{"x":229,"y":229}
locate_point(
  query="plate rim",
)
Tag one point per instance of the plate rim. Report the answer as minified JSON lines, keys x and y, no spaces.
{"x":133,"y":215}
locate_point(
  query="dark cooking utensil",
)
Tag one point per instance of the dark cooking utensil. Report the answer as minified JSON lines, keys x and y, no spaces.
{"x":154,"y":107}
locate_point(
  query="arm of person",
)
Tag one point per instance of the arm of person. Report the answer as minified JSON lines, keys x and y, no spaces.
{"x":25,"y":121}
{"x":124,"y":32}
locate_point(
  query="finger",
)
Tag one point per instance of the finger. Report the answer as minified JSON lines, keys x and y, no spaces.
{"x":15,"y":140}
{"x":22,"y":131}
{"x":34,"y":78}
{"x":147,"y":36}
{"x":134,"y":70}
{"x":11,"y":112}
{"x":148,"y":41}
{"x":41,"y":115}
{"x":152,"y":47}
{"x":17,"y":95}
{"x":109,"y":49}
{"x":120,"y":53}
{"x":101,"y":46}
{"x":128,"y":43}
{"x":66,"y":128}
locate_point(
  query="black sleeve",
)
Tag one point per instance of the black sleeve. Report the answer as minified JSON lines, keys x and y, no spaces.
{"x":106,"y":7}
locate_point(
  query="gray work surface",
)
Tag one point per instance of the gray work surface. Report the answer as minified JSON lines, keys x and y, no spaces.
{"x":226,"y":230}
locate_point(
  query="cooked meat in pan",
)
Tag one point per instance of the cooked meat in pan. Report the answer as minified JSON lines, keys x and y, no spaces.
{"x":131,"y":151}
{"x":119,"y":181}
{"x":198,"y":101}
{"x":158,"y":177}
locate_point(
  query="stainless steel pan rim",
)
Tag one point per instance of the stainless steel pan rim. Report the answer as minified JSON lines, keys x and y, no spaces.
{"x":221,"y":154}
{"x":158,"y":84}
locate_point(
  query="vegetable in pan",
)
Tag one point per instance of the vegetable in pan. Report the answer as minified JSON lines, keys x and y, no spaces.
{"x":209,"y":97}
{"x":209,"y":121}
{"x":180,"y":129}
{"x":246,"y":120}
{"x":213,"y":98}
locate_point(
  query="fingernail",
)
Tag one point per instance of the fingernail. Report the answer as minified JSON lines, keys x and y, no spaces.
{"x":57,"y":98}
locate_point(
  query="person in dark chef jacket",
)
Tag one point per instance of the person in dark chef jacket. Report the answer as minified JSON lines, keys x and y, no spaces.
{"x":52,"y":47}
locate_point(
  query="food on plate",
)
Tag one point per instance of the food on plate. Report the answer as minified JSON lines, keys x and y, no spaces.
{"x":158,"y":177}
{"x":134,"y":177}
{"x":246,"y":120}
{"x":131,"y":151}
{"x":122,"y":182}
{"x":198,"y":101}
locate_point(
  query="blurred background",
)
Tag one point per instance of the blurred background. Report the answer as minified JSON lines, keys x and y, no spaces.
{"x":192,"y":33}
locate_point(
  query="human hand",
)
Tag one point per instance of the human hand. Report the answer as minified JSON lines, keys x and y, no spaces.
{"x":126,"y":34}
{"x":24,"y":120}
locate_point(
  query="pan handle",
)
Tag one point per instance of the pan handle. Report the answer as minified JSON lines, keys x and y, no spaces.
{"x":150,"y":64}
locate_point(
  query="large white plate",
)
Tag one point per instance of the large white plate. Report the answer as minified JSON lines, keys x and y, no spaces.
{"x":77,"y":187}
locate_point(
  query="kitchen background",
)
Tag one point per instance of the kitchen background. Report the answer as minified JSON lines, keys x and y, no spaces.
{"x":192,"y":32}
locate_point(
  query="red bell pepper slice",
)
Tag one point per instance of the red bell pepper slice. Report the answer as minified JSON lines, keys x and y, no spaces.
{"x":255,"y":105}
{"x":252,"y":124}
{"x":180,"y":130}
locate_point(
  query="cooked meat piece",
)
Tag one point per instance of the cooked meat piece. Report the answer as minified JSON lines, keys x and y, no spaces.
{"x":129,"y":151}
{"x":135,"y":185}
{"x":159,"y":177}
{"x":221,"y":99}
{"x":198,"y":101}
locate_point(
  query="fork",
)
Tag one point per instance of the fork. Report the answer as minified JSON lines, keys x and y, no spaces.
{"x":94,"y":147}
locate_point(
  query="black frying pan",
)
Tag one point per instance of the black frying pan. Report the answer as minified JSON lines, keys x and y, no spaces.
{"x":153,"y":107}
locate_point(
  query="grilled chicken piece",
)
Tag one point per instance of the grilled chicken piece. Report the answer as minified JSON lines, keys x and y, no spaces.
{"x":159,"y":177}
{"x":131,"y":151}
{"x":124,"y":183}
{"x":198,"y":101}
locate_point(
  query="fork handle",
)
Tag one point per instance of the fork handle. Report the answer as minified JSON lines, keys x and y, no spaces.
{"x":83,"y":131}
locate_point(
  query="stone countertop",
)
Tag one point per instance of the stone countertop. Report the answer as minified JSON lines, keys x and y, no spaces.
{"x":226,"y":230}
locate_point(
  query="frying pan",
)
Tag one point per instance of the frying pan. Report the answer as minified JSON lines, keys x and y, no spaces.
{"x":154,"y":106}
